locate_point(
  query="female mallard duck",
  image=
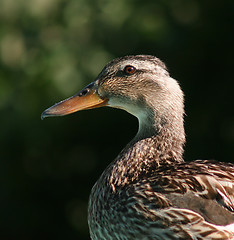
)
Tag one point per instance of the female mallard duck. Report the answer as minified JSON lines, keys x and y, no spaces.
{"x":148,"y":191}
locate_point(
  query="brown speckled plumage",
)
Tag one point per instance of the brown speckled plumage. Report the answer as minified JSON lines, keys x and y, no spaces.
{"x":148,"y":191}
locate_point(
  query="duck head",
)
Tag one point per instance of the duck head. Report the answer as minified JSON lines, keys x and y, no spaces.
{"x":138,"y":84}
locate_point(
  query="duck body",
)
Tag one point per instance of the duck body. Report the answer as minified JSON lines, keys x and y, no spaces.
{"x":149,"y":191}
{"x":171,"y":201}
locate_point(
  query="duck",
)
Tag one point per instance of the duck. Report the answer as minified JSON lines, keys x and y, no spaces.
{"x":149,"y":191}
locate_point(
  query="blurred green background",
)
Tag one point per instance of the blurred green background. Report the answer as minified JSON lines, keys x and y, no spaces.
{"x":50,"y":49}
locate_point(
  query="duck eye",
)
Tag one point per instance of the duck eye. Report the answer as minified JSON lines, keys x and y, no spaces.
{"x":129,"y":69}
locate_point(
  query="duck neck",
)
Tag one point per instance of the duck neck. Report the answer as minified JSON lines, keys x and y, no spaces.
{"x":157,"y":144}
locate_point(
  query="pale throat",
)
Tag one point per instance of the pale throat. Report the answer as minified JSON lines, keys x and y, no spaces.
{"x":162,"y":125}
{"x":145,"y":116}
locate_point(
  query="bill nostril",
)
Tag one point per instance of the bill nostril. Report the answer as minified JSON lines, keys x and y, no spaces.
{"x":84,"y":92}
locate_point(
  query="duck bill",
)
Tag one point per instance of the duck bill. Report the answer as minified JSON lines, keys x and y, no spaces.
{"x":87,"y":98}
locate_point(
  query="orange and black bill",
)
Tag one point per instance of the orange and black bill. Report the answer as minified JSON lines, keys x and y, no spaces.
{"x":85,"y":99}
